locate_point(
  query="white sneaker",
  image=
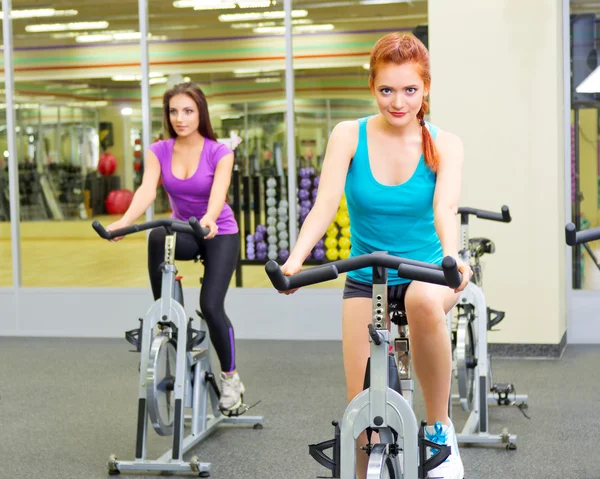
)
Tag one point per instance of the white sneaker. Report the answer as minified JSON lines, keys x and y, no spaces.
{"x":452,"y":467}
{"x":232,"y":390}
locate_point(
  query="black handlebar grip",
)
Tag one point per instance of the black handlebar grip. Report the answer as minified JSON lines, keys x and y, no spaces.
{"x":199,"y":231}
{"x":575,"y":237}
{"x":100,"y":230}
{"x":451,"y":273}
{"x":571,"y":234}
{"x":315,"y":275}
{"x":280,"y":281}
{"x":506,"y":214}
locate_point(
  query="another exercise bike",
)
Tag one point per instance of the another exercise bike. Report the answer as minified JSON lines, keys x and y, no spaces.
{"x":175,"y":369}
{"x":473,"y":370}
{"x":382,"y":406}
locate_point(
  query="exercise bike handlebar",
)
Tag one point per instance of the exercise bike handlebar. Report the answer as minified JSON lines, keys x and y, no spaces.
{"x":192,"y":226}
{"x":503,"y":216}
{"x":575,"y":237}
{"x":447,"y":274}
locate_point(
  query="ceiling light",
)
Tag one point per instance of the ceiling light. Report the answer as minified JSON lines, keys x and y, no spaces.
{"x":62,"y":27}
{"x":65,"y":35}
{"x":268,"y":80}
{"x":254,"y":72}
{"x":215,"y":5}
{"x":244,"y":17}
{"x":187,"y":79}
{"x":254,"y":3}
{"x":296,"y":29}
{"x":297,"y":21}
{"x":40,"y":12}
{"x":93,"y":38}
{"x":126,"y":111}
{"x":366,"y":66}
{"x":134,"y":77}
{"x":127,"y":36}
{"x":156,"y":81}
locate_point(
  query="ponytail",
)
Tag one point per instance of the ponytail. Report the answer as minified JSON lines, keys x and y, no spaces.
{"x":432,"y":159}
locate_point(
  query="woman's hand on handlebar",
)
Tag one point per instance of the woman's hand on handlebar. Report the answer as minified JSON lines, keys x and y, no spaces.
{"x":466,"y":272}
{"x":290,"y":268}
{"x":117,"y":225}
{"x":207,"y":222}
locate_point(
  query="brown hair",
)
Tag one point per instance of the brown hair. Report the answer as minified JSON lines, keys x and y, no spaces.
{"x":195,"y":93}
{"x":400,"y":48}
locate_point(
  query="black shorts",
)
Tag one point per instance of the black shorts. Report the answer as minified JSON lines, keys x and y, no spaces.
{"x":356,"y":289}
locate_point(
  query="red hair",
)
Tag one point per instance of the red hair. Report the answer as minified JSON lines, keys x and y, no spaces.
{"x":398,"y":48}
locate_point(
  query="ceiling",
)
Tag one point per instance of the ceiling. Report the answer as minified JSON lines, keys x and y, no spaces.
{"x":167,"y":23}
{"x":177,"y":23}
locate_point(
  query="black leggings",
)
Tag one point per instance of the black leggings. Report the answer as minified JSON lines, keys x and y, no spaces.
{"x":219,"y":256}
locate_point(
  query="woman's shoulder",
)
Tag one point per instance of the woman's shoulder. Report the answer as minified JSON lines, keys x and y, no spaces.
{"x":161,"y":147}
{"x":449,"y":146}
{"x":445,"y":139}
{"x":347,"y":127}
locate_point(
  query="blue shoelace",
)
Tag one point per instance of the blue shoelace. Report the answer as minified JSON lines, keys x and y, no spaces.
{"x":438,"y":436}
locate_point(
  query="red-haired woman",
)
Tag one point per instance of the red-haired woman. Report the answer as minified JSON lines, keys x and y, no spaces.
{"x":402,"y":179}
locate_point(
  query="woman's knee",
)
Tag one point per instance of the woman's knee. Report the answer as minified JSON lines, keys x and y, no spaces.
{"x":211,"y":309}
{"x":156,"y":239}
{"x":426,"y":306}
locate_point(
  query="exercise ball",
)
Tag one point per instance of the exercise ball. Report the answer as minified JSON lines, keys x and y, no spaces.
{"x":305,"y":183}
{"x":331,"y":243}
{"x":343,"y":203}
{"x":319,"y":253}
{"x":332,"y":231}
{"x":303,"y":195}
{"x":107,"y":164}
{"x":344,"y":242}
{"x":346,"y":231}
{"x":332,"y":254}
{"x":343,"y":219}
{"x":118,"y":201}
{"x":344,"y":253}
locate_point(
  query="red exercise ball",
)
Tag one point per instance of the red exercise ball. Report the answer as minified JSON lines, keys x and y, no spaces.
{"x":137,"y":166}
{"x":107,"y":164}
{"x":118,"y":201}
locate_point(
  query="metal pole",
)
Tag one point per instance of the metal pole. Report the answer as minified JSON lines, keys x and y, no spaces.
{"x":290,"y":125}
{"x":576,"y":205}
{"x":13,"y":164}
{"x":328,"y":117}
{"x":146,"y":109}
{"x":246,"y":146}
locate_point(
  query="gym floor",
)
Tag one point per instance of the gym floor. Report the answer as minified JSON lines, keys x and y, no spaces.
{"x":67,"y":404}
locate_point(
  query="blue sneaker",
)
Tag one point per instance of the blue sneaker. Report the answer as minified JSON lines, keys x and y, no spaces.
{"x":452,"y":467}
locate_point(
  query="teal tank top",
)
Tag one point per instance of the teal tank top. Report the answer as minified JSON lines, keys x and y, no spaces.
{"x":397,"y":219}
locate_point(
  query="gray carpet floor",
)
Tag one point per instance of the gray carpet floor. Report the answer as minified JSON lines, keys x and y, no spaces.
{"x":67,"y":404}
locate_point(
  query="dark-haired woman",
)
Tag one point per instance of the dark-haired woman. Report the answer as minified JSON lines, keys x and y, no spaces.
{"x":196,"y":173}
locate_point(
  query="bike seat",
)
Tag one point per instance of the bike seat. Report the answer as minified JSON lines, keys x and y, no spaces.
{"x":481,"y":246}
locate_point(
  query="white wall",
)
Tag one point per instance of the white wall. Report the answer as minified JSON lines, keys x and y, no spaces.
{"x":497,"y":81}
{"x":309,"y":314}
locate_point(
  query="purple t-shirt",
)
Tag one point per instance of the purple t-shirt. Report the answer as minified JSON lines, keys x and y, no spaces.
{"x":190,"y":197}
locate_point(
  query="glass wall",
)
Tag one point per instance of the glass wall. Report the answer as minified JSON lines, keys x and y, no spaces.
{"x":585,"y":158}
{"x":6,"y":279}
{"x":79,"y":133}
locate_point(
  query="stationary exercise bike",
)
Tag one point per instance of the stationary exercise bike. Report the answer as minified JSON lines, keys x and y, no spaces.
{"x":385,"y":404}
{"x":472,"y":369}
{"x":175,"y":369}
